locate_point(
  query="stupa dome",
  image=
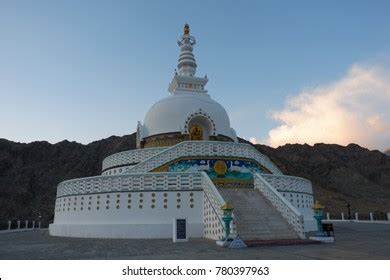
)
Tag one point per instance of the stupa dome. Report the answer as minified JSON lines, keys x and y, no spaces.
{"x":177,"y":112}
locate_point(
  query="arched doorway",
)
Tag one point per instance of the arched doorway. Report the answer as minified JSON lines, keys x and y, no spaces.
{"x":199,"y":128}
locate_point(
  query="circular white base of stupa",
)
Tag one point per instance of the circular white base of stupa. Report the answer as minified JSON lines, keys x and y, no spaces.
{"x":122,"y":230}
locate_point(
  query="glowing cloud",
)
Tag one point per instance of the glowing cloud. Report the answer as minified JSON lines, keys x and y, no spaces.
{"x":253,"y":140}
{"x":355,"y":109}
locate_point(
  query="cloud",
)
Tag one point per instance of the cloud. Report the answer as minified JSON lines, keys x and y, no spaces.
{"x":354,"y":109}
{"x":253,"y":140}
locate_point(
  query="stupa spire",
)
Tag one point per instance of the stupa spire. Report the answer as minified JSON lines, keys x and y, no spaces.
{"x":187,"y":64}
{"x":184,"y":79}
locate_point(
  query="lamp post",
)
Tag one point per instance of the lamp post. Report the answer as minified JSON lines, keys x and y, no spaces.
{"x":318,"y":215}
{"x":39,"y":220}
{"x":227,"y":209}
{"x":349,"y":210}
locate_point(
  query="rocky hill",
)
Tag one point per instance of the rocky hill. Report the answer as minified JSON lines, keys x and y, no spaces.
{"x":339,"y":174}
{"x":29,"y":173}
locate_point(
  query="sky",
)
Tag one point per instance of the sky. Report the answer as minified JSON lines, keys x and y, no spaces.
{"x":286,"y":71}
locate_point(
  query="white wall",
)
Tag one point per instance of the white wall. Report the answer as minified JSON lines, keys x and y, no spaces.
{"x":303,"y":202}
{"x":74,"y":218}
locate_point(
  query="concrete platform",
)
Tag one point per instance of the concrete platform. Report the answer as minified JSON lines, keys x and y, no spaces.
{"x":353,"y":241}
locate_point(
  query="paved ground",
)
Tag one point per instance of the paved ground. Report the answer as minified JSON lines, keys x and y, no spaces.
{"x":353,"y":241}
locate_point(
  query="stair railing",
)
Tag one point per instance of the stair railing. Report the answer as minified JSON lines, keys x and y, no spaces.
{"x":214,"y":227}
{"x":288,"y":211}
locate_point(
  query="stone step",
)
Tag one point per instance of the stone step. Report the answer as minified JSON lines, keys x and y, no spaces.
{"x":256,"y":218}
{"x":280,"y":242}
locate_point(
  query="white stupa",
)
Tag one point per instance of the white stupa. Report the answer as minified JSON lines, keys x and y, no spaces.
{"x":188,"y":104}
{"x":187,"y":165}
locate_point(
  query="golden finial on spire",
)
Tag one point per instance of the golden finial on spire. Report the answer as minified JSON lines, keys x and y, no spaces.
{"x":186,"y":29}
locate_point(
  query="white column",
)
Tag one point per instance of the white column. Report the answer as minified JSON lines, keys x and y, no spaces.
{"x":18,"y":222}
{"x":388,"y":216}
{"x":9,"y":225}
{"x":327,"y":216}
{"x":39,"y":224}
{"x":26,"y":226}
{"x":356,"y":216}
{"x":371,"y":216}
{"x":33,"y":224}
{"x":342,"y":216}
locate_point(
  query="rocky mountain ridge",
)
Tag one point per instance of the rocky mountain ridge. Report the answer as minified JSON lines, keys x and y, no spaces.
{"x":29,"y":173}
{"x":339,"y":174}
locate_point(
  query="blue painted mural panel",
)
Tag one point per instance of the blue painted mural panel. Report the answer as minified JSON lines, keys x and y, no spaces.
{"x":217,"y":168}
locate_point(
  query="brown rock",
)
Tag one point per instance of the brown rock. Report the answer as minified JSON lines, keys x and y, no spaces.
{"x":29,"y":173}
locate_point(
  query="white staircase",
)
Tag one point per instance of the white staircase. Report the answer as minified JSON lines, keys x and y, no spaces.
{"x":256,"y":218}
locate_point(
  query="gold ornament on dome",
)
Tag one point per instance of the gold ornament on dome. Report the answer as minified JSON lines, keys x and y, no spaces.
{"x":196,"y":132}
{"x":220,"y":167}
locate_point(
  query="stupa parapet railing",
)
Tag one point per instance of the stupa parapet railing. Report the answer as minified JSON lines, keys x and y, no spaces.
{"x":207,"y":149}
{"x":155,"y":181}
{"x":214,"y":227}
{"x":288,"y":211}
{"x":285,"y":183}
{"x":129,"y":157}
